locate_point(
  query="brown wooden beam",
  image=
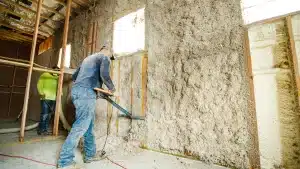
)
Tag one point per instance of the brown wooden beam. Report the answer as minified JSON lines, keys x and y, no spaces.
{"x":294,"y":54}
{"x":10,"y":38}
{"x":254,"y":144}
{"x":62,"y":2}
{"x":49,"y":8}
{"x":23,"y":17}
{"x":27,"y":9}
{"x":25,"y":25}
{"x":273,"y":19}
{"x":20,"y":30}
{"x":13,"y":34}
{"x":26,"y":97}
{"x":62,"y":69}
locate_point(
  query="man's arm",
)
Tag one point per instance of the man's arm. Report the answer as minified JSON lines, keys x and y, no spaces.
{"x":104,"y":74}
{"x":40,"y":86}
{"x":75,"y":74}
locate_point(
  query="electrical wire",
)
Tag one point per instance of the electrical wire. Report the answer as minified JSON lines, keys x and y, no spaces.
{"x":115,"y":163}
{"x":26,"y":158}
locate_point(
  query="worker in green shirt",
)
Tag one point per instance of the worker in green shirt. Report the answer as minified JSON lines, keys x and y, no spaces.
{"x":47,"y":88}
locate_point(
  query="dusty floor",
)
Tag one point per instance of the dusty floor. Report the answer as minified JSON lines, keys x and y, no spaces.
{"x":45,"y":149}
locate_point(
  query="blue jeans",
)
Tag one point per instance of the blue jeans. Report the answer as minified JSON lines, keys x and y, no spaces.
{"x":84,"y":100}
{"x":48,"y":106}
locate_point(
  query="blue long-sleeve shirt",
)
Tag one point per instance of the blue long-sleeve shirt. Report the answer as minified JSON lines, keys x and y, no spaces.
{"x":93,"y":72}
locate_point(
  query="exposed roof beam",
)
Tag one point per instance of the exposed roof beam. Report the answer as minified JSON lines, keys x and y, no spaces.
{"x":49,"y":8}
{"x":24,"y":17}
{"x":5,"y":37}
{"x":63,"y":3}
{"x":28,"y":9}
{"x":26,"y":26}
{"x":14,"y":35}
{"x":20,"y":30}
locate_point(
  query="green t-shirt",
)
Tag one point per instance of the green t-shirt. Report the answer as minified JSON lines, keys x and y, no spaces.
{"x":47,"y":85}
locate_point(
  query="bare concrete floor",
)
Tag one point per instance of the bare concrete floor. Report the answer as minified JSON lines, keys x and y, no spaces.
{"x":46,"y":149}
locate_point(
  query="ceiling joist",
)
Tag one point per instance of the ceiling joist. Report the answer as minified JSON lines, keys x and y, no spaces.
{"x":49,"y":8}
{"x":26,"y":26}
{"x":18,"y":23}
{"x":28,"y":9}
{"x":21,"y":30}
{"x":23,"y":17}
{"x":14,"y":35}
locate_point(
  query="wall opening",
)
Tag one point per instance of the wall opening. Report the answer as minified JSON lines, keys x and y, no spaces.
{"x":67,"y":57}
{"x":129,"y":33}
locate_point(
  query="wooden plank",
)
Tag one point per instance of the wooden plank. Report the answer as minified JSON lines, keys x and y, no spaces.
{"x":62,"y":69}
{"x":49,"y":8}
{"x":27,"y":9}
{"x":25,"y":25}
{"x":20,"y":30}
{"x":16,"y":35}
{"x":294,"y":54}
{"x":23,"y":17}
{"x":26,"y":97}
{"x":12,"y":38}
{"x":93,"y":37}
{"x":144,"y":84}
{"x":273,"y":19}
{"x":254,"y":155}
{"x":12,"y":84}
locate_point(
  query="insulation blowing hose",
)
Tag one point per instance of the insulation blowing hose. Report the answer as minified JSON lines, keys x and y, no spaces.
{"x":13,"y":130}
{"x":62,"y":118}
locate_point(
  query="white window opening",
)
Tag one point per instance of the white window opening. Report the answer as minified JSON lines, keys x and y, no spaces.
{"x":67,"y":57}
{"x":129,"y":33}
{"x":257,"y":10}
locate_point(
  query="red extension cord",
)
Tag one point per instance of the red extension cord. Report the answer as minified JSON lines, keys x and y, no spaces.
{"x":12,"y":156}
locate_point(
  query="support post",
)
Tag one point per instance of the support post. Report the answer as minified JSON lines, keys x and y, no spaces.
{"x":253,"y":130}
{"x":294,"y":54}
{"x":26,"y":97}
{"x":144,"y":84}
{"x":12,"y":85}
{"x":62,"y":69}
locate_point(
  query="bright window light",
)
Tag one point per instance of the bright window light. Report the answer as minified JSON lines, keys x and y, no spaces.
{"x":129,"y":33}
{"x":256,"y":10}
{"x":67,"y":57}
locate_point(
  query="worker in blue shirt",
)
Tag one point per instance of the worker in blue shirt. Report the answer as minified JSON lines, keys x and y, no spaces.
{"x":92,"y":73}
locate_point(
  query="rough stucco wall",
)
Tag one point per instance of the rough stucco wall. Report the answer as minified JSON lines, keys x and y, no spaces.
{"x":197,"y":86}
{"x":197,"y":97}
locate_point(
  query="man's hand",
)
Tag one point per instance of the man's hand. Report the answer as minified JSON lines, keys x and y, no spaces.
{"x":42,"y":96}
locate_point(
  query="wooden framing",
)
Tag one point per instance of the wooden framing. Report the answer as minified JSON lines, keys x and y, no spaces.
{"x":254,"y":156}
{"x":294,"y":54}
{"x":28,"y":9}
{"x":62,"y":69}
{"x":144,"y":84}
{"x":26,"y":97}
{"x":6,"y":33}
{"x":21,"y":30}
{"x":23,"y":17}
{"x":273,"y":19}
{"x":12,"y":88}
{"x":49,"y":8}
{"x":26,"y":26}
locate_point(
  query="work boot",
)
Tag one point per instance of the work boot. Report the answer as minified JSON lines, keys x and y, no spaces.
{"x":100,"y":155}
{"x":44,"y":133}
{"x":72,"y":166}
